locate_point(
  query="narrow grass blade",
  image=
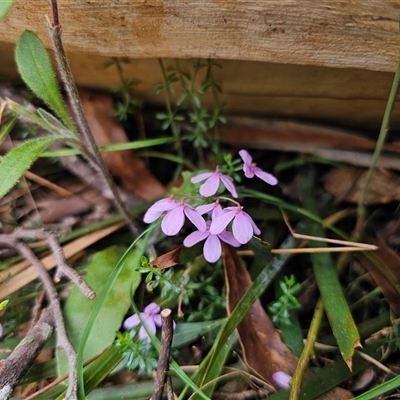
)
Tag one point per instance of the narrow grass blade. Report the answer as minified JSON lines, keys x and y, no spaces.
{"x":100,"y":302}
{"x":336,"y":307}
{"x":137,"y":144}
{"x":19,"y":159}
{"x":6,"y":128}
{"x":37,"y":72}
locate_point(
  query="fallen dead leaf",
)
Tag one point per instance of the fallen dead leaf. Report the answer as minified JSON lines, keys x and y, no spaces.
{"x":383,"y":265}
{"x":331,"y":143}
{"x":53,"y":209}
{"x":124,"y":165}
{"x":346,"y":184}
{"x":168,"y":260}
{"x":263,"y":348}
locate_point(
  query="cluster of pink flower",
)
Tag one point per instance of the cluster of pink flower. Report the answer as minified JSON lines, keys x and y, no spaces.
{"x":215,"y":229}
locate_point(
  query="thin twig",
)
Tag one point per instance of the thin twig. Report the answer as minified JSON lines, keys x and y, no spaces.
{"x":63,"y":268}
{"x":18,"y":362}
{"x":307,"y":352}
{"x":378,"y":149}
{"x":89,"y":146}
{"x":62,"y":337}
{"x":165,"y":351}
{"x":362,"y":246}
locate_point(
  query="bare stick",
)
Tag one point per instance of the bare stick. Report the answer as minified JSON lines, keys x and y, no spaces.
{"x":363,"y":246}
{"x":89,"y":146}
{"x":62,"y":337}
{"x":15,"y":366}
{"x":165,"y":351}
{"x":63,"y":269}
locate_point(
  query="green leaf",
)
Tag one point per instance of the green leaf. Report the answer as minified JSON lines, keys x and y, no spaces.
{"x":6,"y":127}
{"x":337,"y":310}
{"x":5,"y":7}
{"x":190,"y":331}
{"x":54,"y":125}
{"x":19,"y":159}
{"x":78,"y":308}
{"x":35,"y":69}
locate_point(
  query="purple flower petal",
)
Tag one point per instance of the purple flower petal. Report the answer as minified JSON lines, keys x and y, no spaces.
{"x":152,"y":308}
{"x":149,"y":321}
{"x":212,"y":248}
{"x":210,"y":186}
{"x":265,"y":176}
{"x":228,"y":237}
{"x":131,"y":322}
{"x":195,"y":218}
{"x":220,"y":223}
{"x":143,"y":334}
{"x":246,"y":157}
{"x":242,"y":229}
{"x":217,"y":211}
{"x":201,"y":177}
{"x":205,"y":208}
{"x":195,"y":237}
{"x":157,"y":319}
{"x":173,"y":221}
{"x":228,"y":183}
{"x":282,"y":379}
{"x":1,"y":330}
{"x":158,"y":208}
{"x":253,"y":224}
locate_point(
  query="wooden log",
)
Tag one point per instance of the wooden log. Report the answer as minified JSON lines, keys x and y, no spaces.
{"x":359,"y":34}
{"x":316,"y":60}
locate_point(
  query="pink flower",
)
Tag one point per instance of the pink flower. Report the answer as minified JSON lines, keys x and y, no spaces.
{"x":173,"y":222}
{"x":243,"y":226}
{"x":150,"y":316}
{"x":250,"y":169}
{"x":212,"y":181}
{"x":282,"y":379}
{"x":214,"y":208}
{"x":212,"y":246}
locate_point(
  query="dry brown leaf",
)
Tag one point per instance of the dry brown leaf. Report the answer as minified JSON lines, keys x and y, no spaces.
{"x":168,"y":260}
{"x":263,"y":348}
{"x":88,"y":199}
{"x":332,"y":143}
{"x":386,"y":273}
{"x":129,"y":169}
{"x":346,"y":184}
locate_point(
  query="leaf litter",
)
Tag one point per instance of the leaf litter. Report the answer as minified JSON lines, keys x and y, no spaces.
{"x":261,"y":342}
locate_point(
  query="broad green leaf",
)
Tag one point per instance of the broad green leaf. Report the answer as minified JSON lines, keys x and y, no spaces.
{"x":78,"y":308}
{"x":37,"y":72}
{"x":19,"y":159}
{"x":337,"y":310}
{"x":5,"y":7}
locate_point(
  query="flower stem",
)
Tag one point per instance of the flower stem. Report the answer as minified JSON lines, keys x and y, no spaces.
{"x":87,"y":138}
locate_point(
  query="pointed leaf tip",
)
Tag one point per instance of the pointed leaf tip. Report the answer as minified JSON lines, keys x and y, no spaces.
{"x":37,"y":72}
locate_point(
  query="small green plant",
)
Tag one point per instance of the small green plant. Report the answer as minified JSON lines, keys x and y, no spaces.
{"x":201,"y":126}
{"x":281,"y":309}
{"x":139,"y":354}
{"x":127,"y":103}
